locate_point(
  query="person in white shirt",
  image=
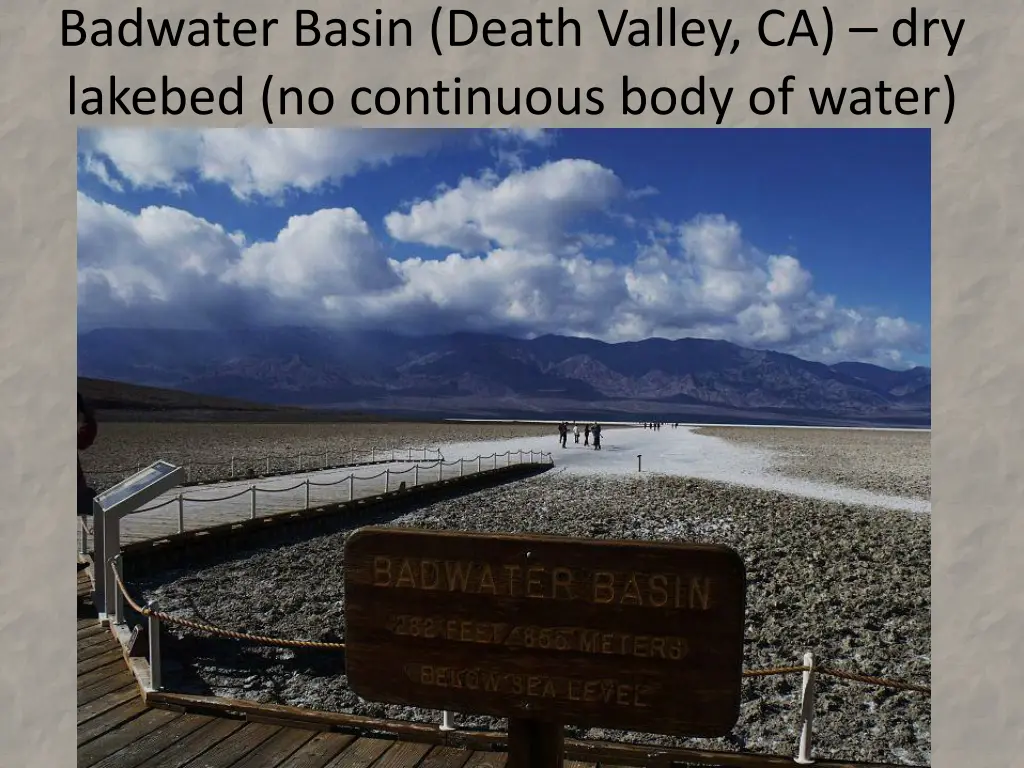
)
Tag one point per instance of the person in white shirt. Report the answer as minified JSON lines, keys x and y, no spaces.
{"x":576,"y":432}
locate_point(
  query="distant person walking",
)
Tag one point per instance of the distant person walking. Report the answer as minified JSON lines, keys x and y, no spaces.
{"x":597,"y":437}
{"x":563,"y":432}
{"x":586,"y":434}
{"x":576,"y":433}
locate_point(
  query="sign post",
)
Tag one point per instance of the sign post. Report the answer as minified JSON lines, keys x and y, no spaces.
{"x":547,"y":631}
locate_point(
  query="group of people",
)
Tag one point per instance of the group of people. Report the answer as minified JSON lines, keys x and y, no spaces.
{"x":656,"y":425}
{"x":588,"y":431}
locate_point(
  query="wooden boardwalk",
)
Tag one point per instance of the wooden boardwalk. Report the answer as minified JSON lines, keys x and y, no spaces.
{"x":117,"y":730}
{"x":204,"y":506}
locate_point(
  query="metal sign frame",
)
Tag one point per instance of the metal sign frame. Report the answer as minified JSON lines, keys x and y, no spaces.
{"x":107,"y":527}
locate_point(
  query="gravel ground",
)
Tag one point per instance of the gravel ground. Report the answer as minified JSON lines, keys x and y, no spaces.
{"x":890,"y":462}
{"x":208,"y":448}
{"x":851,"y":584}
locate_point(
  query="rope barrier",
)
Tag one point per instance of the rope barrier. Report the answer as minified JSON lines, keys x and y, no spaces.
{"x":347,"y":478}
{"x":249,"y":461}
{"x":210,"y":629}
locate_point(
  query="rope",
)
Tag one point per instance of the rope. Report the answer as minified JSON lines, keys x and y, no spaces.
{"x":307,"y":481}
{"x":880,"y":682}
{"x":877,"y":681}
{"x":247,"y":461}
{"x":210,"y":629}
{"x":774,"y":671}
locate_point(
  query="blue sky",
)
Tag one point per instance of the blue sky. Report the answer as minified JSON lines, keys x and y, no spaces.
{"x":815,"y":242}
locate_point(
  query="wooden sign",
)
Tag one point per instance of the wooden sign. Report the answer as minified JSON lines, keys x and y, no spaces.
{"x":618,"y":634}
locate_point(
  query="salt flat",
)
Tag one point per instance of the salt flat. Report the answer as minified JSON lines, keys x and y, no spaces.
{"x":685,"y":452}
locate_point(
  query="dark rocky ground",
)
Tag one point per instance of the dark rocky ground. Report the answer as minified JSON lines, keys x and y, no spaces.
{"x":851,"y":584}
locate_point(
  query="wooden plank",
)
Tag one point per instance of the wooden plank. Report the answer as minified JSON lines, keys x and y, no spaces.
{"x":297,"y":715}
{"x":193,"y":745}
{"x":601,"y":752}
{"x":487,"y":760}
{"x":88,"y":652}
{"x":318,"y":751}
{"x":87,"y":641}
{"x":633,"y":635}
{"x":154,"y":743}
{"x":115,"y":681}
{"x":362,"y":753}
{"x":235,"y":746}
{"x":94,"y":640}
{"x":102,"y":660}
{"x":110,"y":742}
{"x":446,"y":757}
{"x":112,"y":667}
{"x":108,"y":701}
{"x":403,"y":754}
{"x":90,"y":628}
{"x":276,"y":749}
{"x":110,"y":720}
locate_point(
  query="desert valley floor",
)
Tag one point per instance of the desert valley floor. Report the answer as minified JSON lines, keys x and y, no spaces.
{"x":833,"y":526}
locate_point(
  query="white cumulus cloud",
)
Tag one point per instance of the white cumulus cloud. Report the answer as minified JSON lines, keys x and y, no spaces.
{"x":526,"y":209}
{"x":252,"y":162}
{"x":526,"y":254}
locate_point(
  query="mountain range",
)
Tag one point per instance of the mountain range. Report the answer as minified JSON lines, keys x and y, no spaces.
{"x":472,"y":375}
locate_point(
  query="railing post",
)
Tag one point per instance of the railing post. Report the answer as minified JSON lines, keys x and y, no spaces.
{"x":494,"y":460}
{"x":307,"y":493}
{"x":462,"y":467}
{"x":803,"y":756}
{"x":520,"y":458}
{"x":232,"y":465}
{"x":153,"y":630}
{"x":639,"y":462}
{"x":508,"y":458}
{"x":85,"y":536}
{"x":351,"y":487}
{"x":181,"y":513}
{"x":387,"y":480}
{"x":416,"y":475}
{"x":478,"y":463}
{"x":268,"y":466}
{"x":252,"y":502}
{"x":99,"y":546}
{"x":118,"y":566}
{"x":447,"y":721}
{"x":325,"y":458}
{"x":373,"y":455}
{"x":112,"y":547}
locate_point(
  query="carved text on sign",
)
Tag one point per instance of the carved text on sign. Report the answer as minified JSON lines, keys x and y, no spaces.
{"x":654,"y":590}
{"x":609,"y":691}
{"x":575,"y":639}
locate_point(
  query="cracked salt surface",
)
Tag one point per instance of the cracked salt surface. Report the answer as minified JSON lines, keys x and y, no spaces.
{"x":683,"y":453}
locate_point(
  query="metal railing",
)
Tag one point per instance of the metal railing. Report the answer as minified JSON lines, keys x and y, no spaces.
{"x":107,"y":530}
{"x":241,"y":467}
